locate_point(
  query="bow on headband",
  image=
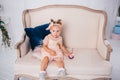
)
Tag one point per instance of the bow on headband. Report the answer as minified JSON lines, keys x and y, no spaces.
{"x":54,"y":23}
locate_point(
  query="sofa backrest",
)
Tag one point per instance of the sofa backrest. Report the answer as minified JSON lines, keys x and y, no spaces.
{"x":82,"y":26}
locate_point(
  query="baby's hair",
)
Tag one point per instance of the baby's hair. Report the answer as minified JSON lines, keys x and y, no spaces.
{"x":52,"y":21}
{"x":56,"y":22}
{"x":59,"y":21}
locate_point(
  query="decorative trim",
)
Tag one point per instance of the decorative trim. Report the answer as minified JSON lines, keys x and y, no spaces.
{"x":17,"y":46}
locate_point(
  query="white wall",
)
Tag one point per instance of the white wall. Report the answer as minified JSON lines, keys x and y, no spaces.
{"x":13,"y":11}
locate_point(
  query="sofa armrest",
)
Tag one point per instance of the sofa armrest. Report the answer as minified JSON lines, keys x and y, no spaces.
{"x":22,"y":46}
{"x":109,"y":49}
{"x":104,"y":48}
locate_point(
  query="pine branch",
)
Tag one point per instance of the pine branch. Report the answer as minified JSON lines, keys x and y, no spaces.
{"x":5,"y":37}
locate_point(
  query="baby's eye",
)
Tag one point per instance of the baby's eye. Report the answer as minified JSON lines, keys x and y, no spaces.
{"x":58,"y":31}
{"x":53,"y":30}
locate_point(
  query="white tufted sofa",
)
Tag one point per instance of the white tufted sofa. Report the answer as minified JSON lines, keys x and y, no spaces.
{"x":83,"y":30}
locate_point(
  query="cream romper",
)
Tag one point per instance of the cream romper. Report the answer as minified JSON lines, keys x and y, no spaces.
{"x":52,"y":43}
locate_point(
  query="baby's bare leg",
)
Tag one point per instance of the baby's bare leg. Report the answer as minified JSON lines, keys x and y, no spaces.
{"x":61,"y":70}
{"x":44,"y":63}
{"x":60,"y":63}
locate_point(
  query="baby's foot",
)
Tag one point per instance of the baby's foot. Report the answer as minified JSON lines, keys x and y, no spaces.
{"x":42,"y":75}
{"x":61,"y":72}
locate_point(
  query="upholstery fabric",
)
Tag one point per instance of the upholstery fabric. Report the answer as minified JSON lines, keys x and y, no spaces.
{"x":37,"y":34}
{"x":86,"y":61}
{"x":76,"y":22}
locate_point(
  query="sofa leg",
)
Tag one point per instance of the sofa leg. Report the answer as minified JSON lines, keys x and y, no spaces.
{"x":108,"y":79}
{"x":16,"y":77}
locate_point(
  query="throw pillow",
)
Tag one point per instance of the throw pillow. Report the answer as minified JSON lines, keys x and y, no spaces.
{"x":37,"y":34}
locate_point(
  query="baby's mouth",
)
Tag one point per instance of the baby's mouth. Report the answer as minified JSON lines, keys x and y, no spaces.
{"x":55,"y":36}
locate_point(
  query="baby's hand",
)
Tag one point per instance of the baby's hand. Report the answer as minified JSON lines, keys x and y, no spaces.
{"x":71,"y":56}
{"x":53,"y":53}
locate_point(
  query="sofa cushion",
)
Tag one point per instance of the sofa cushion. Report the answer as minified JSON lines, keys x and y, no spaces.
{"x":86,"y":61}
{"x":37,"y":34}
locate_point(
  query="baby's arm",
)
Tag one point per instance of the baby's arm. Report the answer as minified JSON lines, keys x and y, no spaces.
{"x":64,"y":49}
{"x":52,"y":52}
{"x":69,"y":54}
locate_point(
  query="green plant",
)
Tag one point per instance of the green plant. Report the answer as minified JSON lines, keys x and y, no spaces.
{"x":5,"y":37}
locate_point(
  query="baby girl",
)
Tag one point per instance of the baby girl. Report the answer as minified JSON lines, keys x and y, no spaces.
{"x":53,"y":49}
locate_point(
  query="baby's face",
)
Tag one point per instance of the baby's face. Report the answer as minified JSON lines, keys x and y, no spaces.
{"x":55,"y":31}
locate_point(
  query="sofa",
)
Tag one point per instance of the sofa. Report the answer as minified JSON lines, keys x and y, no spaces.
{"x":83,"y":32}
